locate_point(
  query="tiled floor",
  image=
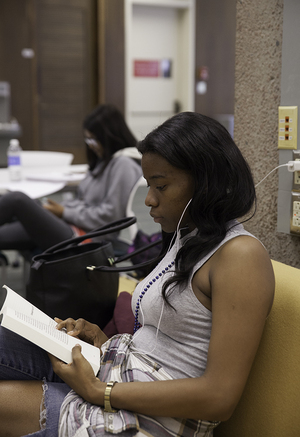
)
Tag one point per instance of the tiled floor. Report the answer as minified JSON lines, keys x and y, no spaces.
{"x":14,"y":276}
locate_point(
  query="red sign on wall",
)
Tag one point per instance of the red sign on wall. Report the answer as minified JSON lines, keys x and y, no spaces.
{"x":152,"y":68}
{"x":146,"y":68}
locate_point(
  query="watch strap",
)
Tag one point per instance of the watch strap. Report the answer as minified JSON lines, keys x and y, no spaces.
{"x":107,"y":405}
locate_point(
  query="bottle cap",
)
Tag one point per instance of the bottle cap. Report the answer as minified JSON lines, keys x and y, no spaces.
{"x":14,"y":142}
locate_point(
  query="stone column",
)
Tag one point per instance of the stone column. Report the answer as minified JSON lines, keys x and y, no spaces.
{"x":259,"y":26}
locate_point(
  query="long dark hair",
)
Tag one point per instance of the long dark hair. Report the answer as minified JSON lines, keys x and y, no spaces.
{"x":224,"y":187}
{"x":109,"y":127}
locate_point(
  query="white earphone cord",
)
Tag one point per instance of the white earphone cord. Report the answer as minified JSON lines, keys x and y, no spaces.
{"x":282,"y":165}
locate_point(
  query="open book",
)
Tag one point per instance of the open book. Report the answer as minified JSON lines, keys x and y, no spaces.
{"x":23,"y":318}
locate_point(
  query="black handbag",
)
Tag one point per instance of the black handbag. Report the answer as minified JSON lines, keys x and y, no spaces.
{"x":61,"y":285}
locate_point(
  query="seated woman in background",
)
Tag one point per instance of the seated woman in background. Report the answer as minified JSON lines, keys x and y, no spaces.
{"x":199,"y":315}
{"x":114,"y":168}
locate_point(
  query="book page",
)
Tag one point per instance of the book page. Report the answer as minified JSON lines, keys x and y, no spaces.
{"x":11,"y":299}
{"x":46,"y":329}
{"x":23,"y":318}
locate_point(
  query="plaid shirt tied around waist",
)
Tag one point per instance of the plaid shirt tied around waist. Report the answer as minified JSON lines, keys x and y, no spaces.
{"x":122,"y":363}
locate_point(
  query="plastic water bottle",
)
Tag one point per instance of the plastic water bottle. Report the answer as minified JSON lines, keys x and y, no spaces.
{"x":14,"y":160}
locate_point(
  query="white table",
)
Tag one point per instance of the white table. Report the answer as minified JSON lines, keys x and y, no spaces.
{"x":42,"y":181}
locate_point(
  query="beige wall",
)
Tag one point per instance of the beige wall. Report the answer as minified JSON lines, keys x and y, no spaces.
{"x":257,"y":97}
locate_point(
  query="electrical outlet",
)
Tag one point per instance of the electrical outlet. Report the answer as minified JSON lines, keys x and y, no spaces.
{"x":287,"y":127}
{"x":296,"y":179}
{"x":295,"y":214}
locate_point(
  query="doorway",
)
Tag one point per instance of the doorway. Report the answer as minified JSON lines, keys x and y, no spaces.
{"x":159,"y":61}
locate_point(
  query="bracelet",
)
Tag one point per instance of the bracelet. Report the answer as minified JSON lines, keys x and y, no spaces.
{"x":107,"y":406}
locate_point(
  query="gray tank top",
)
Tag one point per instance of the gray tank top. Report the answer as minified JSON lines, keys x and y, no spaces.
{"x":178,"y":338}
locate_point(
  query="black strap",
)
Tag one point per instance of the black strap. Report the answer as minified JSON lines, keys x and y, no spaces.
{"x":138,"y":251}
{"x":115,"y":226}
{"x":110,"y":269}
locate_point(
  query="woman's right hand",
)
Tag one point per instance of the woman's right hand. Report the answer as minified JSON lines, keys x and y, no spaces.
{"x":80,"y":328}
{"x":54,"y":207}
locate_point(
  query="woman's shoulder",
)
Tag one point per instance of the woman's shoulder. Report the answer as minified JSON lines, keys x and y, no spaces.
{"x":130,"y":152}
{"x":236,"y":242}
{"x":123,"y":160}
{"x":243,"y":245}
{"x":242,"y":248}
{"x":239,"y":248}
{"x":242,"y":263}
{"x":243,"y":256}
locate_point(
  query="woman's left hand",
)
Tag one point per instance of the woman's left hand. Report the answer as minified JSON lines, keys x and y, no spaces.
{"x":54,"y":207}
{"x":80,"y":376}
{"x":80,"y":328}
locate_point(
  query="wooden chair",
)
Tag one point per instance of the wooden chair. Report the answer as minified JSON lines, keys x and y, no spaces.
{"x":270,"y":405}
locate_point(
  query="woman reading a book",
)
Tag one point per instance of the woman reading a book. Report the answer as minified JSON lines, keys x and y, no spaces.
{"x":199,"y":315}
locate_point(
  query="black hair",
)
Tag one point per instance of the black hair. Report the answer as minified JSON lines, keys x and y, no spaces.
{"x":224,"y":187}
{"x":107,"y":124}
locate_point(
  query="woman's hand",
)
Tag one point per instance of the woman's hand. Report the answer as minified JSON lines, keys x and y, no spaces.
{"x":86,"y":331}
{"x":54,"y":207}
{"x":80,"y":376}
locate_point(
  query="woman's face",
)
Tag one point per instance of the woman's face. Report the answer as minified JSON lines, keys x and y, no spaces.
{"x":170,"y":189}
{"x":93,"y":143}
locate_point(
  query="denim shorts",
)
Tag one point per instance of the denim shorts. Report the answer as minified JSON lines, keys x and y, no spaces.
{"x":23,"y":361}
